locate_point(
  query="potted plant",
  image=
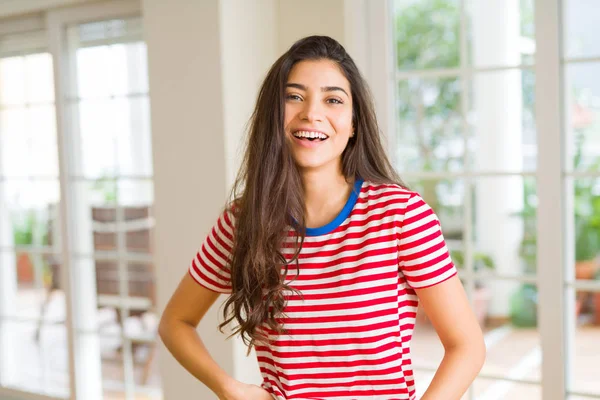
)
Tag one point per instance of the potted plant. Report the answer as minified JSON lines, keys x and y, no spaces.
{"x":524,"y":301}
{"x":28,"y":229}
{"x":23,"y":227}
{"x":587,"y":242}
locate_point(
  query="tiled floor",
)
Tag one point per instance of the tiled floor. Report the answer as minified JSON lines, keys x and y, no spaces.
{"x":513,"y":353}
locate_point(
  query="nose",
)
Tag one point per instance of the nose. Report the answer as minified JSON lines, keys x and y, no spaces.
{"x":311,"y":111}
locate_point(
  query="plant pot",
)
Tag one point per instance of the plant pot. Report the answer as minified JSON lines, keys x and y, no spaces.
{"x":24,"y":269}
{"x":523,"y":307}
{"x":586,"y":270}
{"x":596,"y":303}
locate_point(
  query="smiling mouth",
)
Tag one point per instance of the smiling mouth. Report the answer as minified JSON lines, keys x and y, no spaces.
{"x":310,"y":136}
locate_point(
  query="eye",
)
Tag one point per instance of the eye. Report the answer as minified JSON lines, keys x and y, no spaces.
{"x":335,"y":101}
{"x":292,"y":96}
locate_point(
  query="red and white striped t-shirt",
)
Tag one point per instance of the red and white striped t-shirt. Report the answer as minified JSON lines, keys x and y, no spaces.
{"x":349,"y":338}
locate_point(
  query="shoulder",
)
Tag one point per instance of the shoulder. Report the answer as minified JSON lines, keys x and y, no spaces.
{"x":386,"y":200}
{"x":387,"y":195}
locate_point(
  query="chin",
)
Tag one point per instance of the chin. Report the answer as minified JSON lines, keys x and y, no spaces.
{"x":311,"y":164}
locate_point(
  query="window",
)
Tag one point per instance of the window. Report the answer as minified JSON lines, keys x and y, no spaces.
{"x":110,"y":184}
{"x":77,"y":298}
{"x":29,"y":190}
{"x":466,"y":139}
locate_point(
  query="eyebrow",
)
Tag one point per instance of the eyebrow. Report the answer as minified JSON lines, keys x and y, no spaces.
{"x":323,"y":88}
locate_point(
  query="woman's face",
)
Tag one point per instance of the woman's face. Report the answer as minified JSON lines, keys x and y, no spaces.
{"x":318,"y":114}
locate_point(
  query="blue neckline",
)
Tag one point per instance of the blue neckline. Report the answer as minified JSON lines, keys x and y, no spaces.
{"x":341,"y":217}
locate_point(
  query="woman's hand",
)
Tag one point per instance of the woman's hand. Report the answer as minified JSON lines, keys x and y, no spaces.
{"x":244,"y":391}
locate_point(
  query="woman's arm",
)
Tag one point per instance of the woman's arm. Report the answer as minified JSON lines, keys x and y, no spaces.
{"x":448,"y":309}
{"x":177,"y":329}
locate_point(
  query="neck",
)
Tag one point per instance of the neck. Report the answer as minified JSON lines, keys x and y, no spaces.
{"x":325,"y":194}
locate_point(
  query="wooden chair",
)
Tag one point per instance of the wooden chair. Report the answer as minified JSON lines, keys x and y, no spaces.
{"x":136,"y":225}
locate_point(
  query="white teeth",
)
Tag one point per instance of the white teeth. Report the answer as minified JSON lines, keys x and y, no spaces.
{"x":310,"y":135}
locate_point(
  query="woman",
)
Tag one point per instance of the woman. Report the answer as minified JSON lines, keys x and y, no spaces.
{"x":324,"y":254}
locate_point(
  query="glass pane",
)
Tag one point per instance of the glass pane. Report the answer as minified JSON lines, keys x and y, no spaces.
{"x":135,"y":356}
{"x":31,"y":286}
{"x":28,"y":141}
{"x":114,"y":279}
{"x":115,"y":137}
{"x":115,"y":70}
{"x":511,"y":334}
{"x":501,"y":33}
{"x":122,"y":217}
{"x":14,"y":143}
{"x":137,"y":221}
{"x":12,"y":79}
{"x":34,"y":363}
{"x":42,"y":158}
{"x":584,"y":313}
{"x":114,"y":216}
{"x":133,"y":138}
{"x":112,"y":179}
{"x":132,"y":317}
{"x":430,"y":134}
{"x":581,"y":29}
{"x":582,"y":91}
{"x":586,"y":219}
{"x":502,"y":121}
{"x":94,"y":205}
{"x":504,"y":224}
{"x":120,"y":302}
{"x":113,"y":376}
{"x":95,"y":121}
{"x":427,"y":34}
{"x":39,"y":84}
{"x":147,"y":375}
{"x":498,"y":389}
{"x":29,"y":213}
{"x":111,"y":112}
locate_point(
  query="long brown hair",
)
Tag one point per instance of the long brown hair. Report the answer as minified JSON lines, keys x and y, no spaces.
{"x":268,"y":194}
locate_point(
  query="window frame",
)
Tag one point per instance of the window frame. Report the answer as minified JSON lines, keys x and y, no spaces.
{"x":556,"y":323}
{"x":54,"y":21}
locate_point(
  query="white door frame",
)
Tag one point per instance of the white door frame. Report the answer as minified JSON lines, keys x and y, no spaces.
{"x":57,"y":22}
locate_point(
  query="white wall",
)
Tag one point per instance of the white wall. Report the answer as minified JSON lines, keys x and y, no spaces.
{"x":248,"y":48}
{"x":206,"y":62}
{"x":184,"y":59}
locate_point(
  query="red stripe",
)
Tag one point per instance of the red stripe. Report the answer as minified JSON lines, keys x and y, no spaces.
{"x":340,"y":306}
{"x":434,"y":274}
{"x":326,"y":342}
{"x":392,"y":216}
{"x":323,"y":319}
{"x":346,"y":329}
{"x":346,"y":282}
